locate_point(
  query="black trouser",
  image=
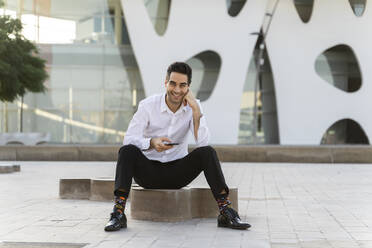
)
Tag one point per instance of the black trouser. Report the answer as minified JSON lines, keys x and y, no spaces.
{"x":151,"y":174}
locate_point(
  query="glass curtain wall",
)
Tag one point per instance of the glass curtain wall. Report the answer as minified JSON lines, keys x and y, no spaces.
{"x":94,"y":83}
{"x":258,"y":114}
{"x":339,"y":67}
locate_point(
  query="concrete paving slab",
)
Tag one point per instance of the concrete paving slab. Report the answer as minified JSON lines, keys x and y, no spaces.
{"x":288,"y":205}
{"x":39,"y":245}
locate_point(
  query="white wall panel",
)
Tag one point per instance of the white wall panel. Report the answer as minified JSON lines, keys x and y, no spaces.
{"x":307,"y":105}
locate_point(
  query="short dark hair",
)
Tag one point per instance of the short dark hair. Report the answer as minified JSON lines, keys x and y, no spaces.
{"x":180,"y":67}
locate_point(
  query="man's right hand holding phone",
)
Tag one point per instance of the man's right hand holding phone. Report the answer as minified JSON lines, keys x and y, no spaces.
{"x":159,"y":144}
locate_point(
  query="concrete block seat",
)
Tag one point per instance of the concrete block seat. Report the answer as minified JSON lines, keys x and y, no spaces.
{"x":102,"y":189}
{"x":74,"y":188}
{"x":176,"y":205}
{"x":97,"y":189}
{"x":9,"y":168}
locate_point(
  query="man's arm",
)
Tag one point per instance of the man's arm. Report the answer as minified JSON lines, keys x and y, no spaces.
{"x":198,"y":125}
{"x":137,"y":125}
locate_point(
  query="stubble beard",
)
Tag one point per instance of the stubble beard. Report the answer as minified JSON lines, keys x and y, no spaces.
{"x":171,"y":99}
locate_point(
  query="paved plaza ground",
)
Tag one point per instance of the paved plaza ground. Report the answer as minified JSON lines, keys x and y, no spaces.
{"x":288,"y":205}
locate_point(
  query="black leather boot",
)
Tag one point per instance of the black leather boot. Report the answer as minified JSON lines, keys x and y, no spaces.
{"x":118,"y":220}
{"x":230,"y":218}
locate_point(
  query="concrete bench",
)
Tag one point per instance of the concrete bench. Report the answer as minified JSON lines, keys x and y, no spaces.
{"x":150,"y":204}
{"x":176,"y":205}
{"x":74,"y":188}
{"x":9,"y":168}
{"x":97,"y":189}
{"x":102,"y":189}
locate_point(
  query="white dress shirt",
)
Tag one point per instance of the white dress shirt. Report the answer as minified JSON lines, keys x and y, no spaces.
{"x":154,"y":119}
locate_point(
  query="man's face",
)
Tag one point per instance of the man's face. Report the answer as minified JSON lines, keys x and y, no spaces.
{"x":177,"y":87}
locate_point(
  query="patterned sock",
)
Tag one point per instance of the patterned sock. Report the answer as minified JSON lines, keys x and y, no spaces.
{"x":120,"y":202}
{"x":223,"y":203}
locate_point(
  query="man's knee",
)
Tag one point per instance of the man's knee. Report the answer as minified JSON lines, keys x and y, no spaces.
{"x":128,"y":150}
{"x":206,"y":151}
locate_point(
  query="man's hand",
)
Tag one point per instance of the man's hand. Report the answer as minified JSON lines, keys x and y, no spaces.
{"x":196,"y":113}
{"x":158,"y":144}
{"x":190,"y":99}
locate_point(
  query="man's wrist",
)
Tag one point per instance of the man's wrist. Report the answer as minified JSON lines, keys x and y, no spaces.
{"x":195,"y":109}
{"x":197,"y":114}
{"x":145,"y":144}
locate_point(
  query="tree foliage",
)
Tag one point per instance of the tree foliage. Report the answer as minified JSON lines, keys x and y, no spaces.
{"x":21,"y":68}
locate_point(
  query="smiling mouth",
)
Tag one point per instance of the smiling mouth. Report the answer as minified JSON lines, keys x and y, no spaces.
{"x":177,"y":96}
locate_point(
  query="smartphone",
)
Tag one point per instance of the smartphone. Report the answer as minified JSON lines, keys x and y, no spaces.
{"x":171,"y":144}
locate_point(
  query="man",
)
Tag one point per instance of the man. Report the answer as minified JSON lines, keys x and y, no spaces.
{"x":155,"y":149}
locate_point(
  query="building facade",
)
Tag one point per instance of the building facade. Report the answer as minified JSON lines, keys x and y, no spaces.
{"x":266,"y":71}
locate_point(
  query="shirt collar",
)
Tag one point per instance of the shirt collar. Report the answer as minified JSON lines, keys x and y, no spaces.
{"x":164,"y":106}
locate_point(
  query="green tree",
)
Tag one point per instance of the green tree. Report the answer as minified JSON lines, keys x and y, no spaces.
{"x":21,"y":68}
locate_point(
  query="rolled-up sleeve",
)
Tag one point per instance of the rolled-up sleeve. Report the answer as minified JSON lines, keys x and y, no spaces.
{"x":203,"y":131}
{"x":134,"y":134}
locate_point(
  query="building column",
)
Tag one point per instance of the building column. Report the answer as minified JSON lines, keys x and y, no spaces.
{"x":118,"y":23}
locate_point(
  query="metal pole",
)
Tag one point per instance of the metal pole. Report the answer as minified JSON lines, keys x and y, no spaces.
{"x":5,"y":117}
{"x":70,"y":112}
{"x":21,"y":116}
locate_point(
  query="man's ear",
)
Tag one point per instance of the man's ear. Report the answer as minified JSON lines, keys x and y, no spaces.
{"x":165,"y":83}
